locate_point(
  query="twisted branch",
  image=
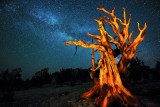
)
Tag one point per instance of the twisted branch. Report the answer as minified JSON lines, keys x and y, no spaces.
{"x":83,"y":44}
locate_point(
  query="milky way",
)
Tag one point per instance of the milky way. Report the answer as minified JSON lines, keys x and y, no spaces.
{"x":32,"y":33}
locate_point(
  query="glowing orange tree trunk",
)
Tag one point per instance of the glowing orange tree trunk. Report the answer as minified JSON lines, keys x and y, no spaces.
{"x":109,"y":85}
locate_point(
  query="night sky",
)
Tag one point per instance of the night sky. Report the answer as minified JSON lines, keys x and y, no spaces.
{"x":32,"y":32}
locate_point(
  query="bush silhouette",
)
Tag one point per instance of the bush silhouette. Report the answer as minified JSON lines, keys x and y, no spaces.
{"x":9,"y":82}
{"x":41,"y":77}
{"x":138,"y":71}
{"x":156,"y":71}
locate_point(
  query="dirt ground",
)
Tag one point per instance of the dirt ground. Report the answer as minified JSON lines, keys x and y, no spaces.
{"x":69,"y":96}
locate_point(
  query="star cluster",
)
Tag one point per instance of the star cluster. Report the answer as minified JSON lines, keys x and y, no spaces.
{"x":32,"y":32}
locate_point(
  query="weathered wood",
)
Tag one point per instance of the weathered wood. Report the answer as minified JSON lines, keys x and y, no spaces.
{"x":109,"y":85}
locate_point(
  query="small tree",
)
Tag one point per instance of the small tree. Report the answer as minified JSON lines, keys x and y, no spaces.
{"x":109,"y":85}
{"x":136,"y":69}
{"x":9,"y":81}
{"x":156,"y":72}
{"x":41,"y":77}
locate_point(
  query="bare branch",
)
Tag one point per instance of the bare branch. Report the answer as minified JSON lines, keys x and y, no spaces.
{"x":104,"y":33}
{"x":83,"y":44}
{"x":139,"y":38}
{"x":127,"y":51}
{"x":129,"y":38}
{"x":95,"y":36}
{"x":121,"y":21}
{"x":124,"y":14}
{"x":113,"y":23}
{"x":99,"y":65}
{"x":110,"y":13}
{"x":129,"y":19}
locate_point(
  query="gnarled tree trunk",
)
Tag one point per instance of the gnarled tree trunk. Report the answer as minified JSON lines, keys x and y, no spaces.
{"x":109,"y":86}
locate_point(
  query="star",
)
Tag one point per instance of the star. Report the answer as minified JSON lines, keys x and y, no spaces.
{"x":33,"y":32}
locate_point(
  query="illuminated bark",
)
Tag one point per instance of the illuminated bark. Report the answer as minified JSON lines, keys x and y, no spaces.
{"x":109,"y":86}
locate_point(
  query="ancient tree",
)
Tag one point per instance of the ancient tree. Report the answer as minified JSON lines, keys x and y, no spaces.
{"x":109,"y":86}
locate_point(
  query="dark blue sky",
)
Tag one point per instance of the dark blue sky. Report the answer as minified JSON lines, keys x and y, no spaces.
{"x":32,"y":31}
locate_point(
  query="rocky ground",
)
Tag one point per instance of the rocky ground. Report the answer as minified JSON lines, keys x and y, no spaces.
{"x":69,"y":96}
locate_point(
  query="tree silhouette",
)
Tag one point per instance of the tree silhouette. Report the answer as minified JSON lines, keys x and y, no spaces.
{"x":16,"y":78}
{"x":71,"y":76}
{"x":109,"y":85}
{"x":138,"y":71}
{"x":9,"y":82}
{"x":156,"y":72}
{"x":41,"y":77}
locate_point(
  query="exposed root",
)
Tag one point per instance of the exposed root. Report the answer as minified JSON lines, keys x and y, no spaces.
{"x":93,"y":91}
